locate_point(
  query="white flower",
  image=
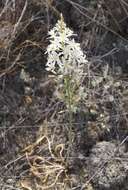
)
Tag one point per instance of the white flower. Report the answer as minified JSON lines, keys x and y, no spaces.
{"x":65,"y":57}
{"x":61,"y":42}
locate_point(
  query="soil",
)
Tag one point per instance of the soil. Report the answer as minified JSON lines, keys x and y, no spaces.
{"x":29,"y":112}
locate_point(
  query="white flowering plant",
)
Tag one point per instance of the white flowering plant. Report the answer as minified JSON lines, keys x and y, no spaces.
{"x":67,"y":61}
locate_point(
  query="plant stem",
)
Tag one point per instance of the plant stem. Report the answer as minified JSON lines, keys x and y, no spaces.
{"x":68,"y":90}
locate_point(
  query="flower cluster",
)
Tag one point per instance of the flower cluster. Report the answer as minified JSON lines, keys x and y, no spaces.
{"x":66,"y":60}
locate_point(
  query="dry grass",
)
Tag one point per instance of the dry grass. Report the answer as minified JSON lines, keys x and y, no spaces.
{"x":49,"y":170}
{"x":23,"y":41}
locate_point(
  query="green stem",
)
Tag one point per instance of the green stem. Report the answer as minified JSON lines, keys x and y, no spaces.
{"x":68,"y":91}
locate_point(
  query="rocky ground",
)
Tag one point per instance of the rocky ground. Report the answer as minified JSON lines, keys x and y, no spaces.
{"x":34,"y":125}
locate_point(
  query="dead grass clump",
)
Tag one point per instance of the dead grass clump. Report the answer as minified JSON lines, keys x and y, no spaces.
{"x":47,"y":165}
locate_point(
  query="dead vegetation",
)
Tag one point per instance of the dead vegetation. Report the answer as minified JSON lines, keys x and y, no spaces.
{"x":33,"y":124}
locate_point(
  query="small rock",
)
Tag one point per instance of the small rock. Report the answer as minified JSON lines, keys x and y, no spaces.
{"x":109,"y":167}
